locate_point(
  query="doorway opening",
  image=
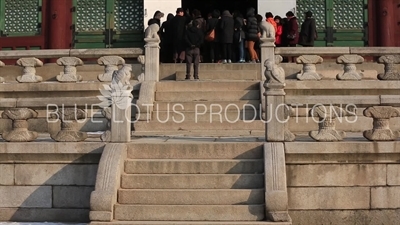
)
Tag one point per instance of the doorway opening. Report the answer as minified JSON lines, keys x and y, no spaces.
{"x":207,"y":6}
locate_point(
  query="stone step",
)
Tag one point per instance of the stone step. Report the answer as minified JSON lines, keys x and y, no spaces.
{"x":196,"y":166}
{"x":233,"y":150}
{"x":199,"y":95}
{"x":190,"y":223}
{"x":221,"y":75}
{"x":190,"y":212}
{"x":199,"y":125}
{"x":191,"y":197}
{"x":208,"y":85}
{"x":192,"y":181}
{"x":215,"y":114}
{"x":206,"y":105}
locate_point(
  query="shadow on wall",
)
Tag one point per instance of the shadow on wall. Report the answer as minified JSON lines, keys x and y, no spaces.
{"x":51,"y":187}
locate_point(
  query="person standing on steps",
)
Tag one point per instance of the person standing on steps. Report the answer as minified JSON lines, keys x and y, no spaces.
{"x":292,"y":29}
{"x":178,"y":27}
{"x":213,"y":43}
{"x":252,"y":34}
{"x":193,"y":39}
{"x":239,"y":36}
{"x":308,"y":32}
{"x":279,"y":31}
{"x":227,"y":30}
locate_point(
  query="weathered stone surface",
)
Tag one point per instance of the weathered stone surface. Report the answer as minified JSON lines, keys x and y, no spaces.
{"x":25,"y":197}
{"x":111,"y":64}
{"x":345,"y":217}
{"x":295,"y":51}
{"x":393,"y":175}
{"x":106,"y":136}
{"x":391,"y":72}
{"x":39,"y":215}
{"x":29,"y":73}
{"x":152,"y":56}
{"x":146,"y":100}
{"x":329,"y":198}
{"x":332,"y":99}
{"x":95,"y":53}
{"x":20,"y":132}
{"x":335,"y":85}
{"x":55,"y":174}
{"x":69,"y":125}
{"x":1,"y":78}
{"x":142,"y":61}
{"x":309,"y":71}
{"x":350,"y":70}
{"x":6,"y":174}
{"x":336,"y":175}
{"x":71,"y":196}
{"x":385,"y":197}
{"x":381,"y":130}
{"x":327,"y":122}
{"x":69,"y":74}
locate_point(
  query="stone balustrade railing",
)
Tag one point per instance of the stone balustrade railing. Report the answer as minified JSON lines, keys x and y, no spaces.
{"x":327,"y":101}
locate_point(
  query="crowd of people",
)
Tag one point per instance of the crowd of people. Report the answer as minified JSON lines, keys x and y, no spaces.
{"x":225,"y":37}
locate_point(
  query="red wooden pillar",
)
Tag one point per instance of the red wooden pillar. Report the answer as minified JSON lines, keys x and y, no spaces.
{"x":386,"y":23}
{"x":60,"y":21}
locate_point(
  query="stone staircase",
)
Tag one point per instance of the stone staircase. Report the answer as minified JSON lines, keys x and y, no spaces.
{"x":192,"y":183}
{"x":212,"y":106}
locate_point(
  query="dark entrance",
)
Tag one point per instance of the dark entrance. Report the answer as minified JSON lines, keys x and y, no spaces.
{"x":206,"y":6}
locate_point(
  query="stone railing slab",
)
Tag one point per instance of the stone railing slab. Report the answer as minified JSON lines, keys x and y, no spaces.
{"x":146,"y":99}
{"x":321,"y":51}
{"x":342,"y":85}
{"x":8,"y":102}
{"x":59,"y":101}
{"x":392,"y":100}
{"x":333,"y":99}
{"x":41,"y":54}
{"x":375,"y":51}
{"x":108,"y":178}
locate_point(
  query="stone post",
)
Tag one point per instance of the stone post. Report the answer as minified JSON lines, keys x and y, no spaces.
{"x":29,"y":75}
{"x":327,"y":122}
{"x":2,"y":79}
{"x":267,"y":53}
{"x":110,"y":64}
{"x":391,"y":72}
{"x":69,"y":125}
{"x":276,"y":196}
{"x":106,"y":136}
{"x":152,"y":59}
{"x":381,"y":127}
{"x":19,"y":132}
{"x":349,"y":68}
{"x":121,"y":115}
{"x":309,"y":71}
{"x":142,"y":60}
{"x":69,"y":74}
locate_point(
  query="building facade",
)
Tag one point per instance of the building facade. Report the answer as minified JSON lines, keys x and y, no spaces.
{"x":55,"y":24}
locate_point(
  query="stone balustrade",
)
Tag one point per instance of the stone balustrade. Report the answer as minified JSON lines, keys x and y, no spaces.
{"x":313,"y":100}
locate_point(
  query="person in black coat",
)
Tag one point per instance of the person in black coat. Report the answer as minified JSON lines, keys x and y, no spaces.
{"x":239,"y":36}
{"x":308,"y":32}
{"x":178,"y":27}
{"x":252,"y":33}
{"x":213,"y":46}
{"x":227,"y":29}
{"x":166,"y":40}
{"x":193,"y":40}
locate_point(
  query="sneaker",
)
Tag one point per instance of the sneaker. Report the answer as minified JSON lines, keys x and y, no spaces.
{"x":229,"y":61}
{"x":242,"y":61}
{"x":224,"y":61}
{"x":257,"y":61}
{"x":187,"y":77}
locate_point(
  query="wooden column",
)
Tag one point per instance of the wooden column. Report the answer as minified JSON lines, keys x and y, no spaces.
{"x":386,"y":23}
{"x":60,"y":21}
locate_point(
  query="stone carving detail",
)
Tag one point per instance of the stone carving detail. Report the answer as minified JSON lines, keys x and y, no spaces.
{"x":289,"y":136}
{"x":151,"y":33}
{"x":327,"y":122}
{"x":274,"y":73}
{"x":381,"y":130}
{"x":69,"y":74}
{"x":1,"y":65}
{"x":111,"y":64}
{"x":69,"y":125}
{"x":19,"y":132}
{"x":106,"y":136}
{"x":350,"y":70}
{"x":309,"y":71}
{"x":122,"y":75}
{"x":29,"y":65}
{"x":142,"y":61}
{"x":391,"y":72}
{"x":268,"y":31}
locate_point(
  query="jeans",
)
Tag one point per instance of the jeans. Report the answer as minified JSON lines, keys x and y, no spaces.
{"x":241,"y":50}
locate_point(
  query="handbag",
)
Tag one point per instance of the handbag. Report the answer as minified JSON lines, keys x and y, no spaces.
{"x":210,"y":36}
{"x":291,"y":36}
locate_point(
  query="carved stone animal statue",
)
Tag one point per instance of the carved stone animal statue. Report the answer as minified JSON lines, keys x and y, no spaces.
{"x":274,"y":73}
{"x":267,"y":30}
{"x":152,"y":31}
{"x":122,"y":75}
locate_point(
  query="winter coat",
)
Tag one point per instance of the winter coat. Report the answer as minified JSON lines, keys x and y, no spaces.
{"x":166,"y":30}
{"x":202,"y":23}
{"x":308,"y":32}
{"x":239,"y":34}
{"x":193,"y":37}
{"x":178,"y":27}
{"x":272,"y":21}
{"x":292,"y":30}
{"x":278,"y":35}
{"x":227,"y":27}
{"x":252,"y":28}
